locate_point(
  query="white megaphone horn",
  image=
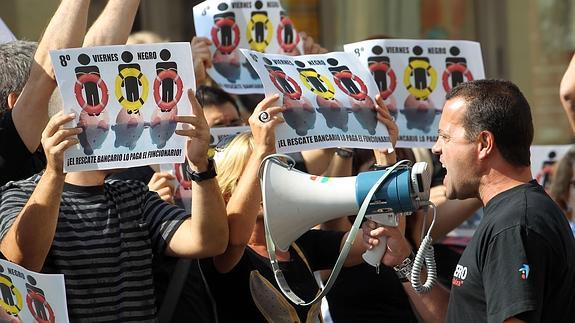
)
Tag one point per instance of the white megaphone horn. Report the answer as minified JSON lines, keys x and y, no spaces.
{"x":295,"y":202}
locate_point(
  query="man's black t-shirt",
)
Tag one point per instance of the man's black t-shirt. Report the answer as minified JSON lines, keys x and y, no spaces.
{"x":520,"y":262}
{"x":16,"y":161}
{"x":249,"y":293}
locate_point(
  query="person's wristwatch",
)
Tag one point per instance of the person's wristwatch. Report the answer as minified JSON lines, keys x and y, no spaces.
{"x":202,"y":176}
{"x":403,"y":270}
{"x":344,"y":153}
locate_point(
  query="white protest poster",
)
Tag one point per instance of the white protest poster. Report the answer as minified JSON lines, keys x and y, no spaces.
{"x":543,"y":160}
{"x":413,"y":77}
{"x":5,"y":34}
{"x":126,"y":99}
{"x":329,"y":101}
{"x":28,"y":296}
{"x":263,"y":26}
{"x":220,"y":132}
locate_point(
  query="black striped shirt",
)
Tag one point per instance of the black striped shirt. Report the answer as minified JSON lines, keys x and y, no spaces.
{"x":104,"y":243}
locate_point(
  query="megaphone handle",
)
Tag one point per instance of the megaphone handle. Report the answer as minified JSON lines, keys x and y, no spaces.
{"x":374,"y":255}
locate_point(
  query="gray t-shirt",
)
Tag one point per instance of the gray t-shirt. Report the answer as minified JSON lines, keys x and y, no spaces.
{"x":104,"y":243}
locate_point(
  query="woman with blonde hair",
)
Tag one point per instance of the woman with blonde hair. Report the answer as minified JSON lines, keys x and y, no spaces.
{"x":241,"y":278}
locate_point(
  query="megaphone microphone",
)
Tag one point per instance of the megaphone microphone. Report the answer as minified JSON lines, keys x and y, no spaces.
{"x":295,"y":201}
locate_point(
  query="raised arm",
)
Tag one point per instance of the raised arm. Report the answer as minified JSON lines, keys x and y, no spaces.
{"x":114,"y":24}
{"x":66,"y":29}
{"x":205,"y":234}
{"x":202,"y":58}
{"x":245,"y":204}
{"x":28,"y":240}
{"x":567,"y":92}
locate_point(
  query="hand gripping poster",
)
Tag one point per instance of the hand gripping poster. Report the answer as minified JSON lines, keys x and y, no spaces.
{"x":329,"y":101}
{"x":262,"y":26}
{"x":27,"y":296}
{"x":126,"y":99}
{"x":413,"y":77}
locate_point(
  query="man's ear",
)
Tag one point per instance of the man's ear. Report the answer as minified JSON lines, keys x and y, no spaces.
{"x":12,"y":97}
{"x":486,"y":144}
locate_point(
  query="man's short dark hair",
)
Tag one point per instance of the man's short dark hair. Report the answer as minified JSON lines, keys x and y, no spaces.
{"x":499,"y":107}
{"x":15,"y":61}
{"x":208,"y":95}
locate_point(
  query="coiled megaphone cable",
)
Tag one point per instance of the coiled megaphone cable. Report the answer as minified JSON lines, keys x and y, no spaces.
{"x":279,"y":276}
{"x":425,"y":255}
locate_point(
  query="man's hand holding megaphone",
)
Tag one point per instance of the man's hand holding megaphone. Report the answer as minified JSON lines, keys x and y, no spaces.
{"x":398,"y":248}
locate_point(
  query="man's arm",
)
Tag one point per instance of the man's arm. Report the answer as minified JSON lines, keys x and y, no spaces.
{"x":65,"y":30}
{"x":28,"y":240}
{"x":245,"y":203}
{"x":206,"y":233}
{"x":114,"y":24}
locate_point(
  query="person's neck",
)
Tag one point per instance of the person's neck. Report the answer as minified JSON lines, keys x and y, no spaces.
{"x":258,"y":238}
{"x":258,"y":242}
{"x":501,"y":178}
{"x":89,"y":178}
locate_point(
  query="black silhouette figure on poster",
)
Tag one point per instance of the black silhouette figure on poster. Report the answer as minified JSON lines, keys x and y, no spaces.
{"x":89,"y":80}
{"x":130,"y":78}
{"x":226,"y":37}
{"x":7,"y":290}
{"x":163,"y":122}
{"x":418,"y":108}
{"x":36,"y":302}
{"x":287,"y":36}
{"x":380,"y":68}
{"x":362,"y":105}
{"x":259,"y":29}
{"x":94,"y":118}
{"x":299,"y":113}
{"x":456,"y":70}
{"x":333,"y":111}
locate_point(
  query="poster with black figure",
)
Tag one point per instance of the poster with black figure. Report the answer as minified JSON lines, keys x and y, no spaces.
{"x":27,"y":296}
{"x":413,"y":77}
{"x":329,"y":101}
{"x":262,"y":26}
{"x":126,"y":99}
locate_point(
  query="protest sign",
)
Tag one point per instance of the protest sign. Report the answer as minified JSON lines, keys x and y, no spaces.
{"x":413,"y":77}
{"x":329,"y":101}
{"x":31,"y":297}
{"x":543,"y":159}
{"x":263,"y":26}
{"x":143,"y":86}
{"x":5,"y":34}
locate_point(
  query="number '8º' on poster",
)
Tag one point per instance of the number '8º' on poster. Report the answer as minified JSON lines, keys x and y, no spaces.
{"x":263,"y":26}
{"x":329,"y":101}
{"x":413,"y":77}
{"x":126,"y":99}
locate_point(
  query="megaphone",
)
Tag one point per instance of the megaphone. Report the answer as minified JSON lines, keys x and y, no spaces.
{"x":294,"y":201}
